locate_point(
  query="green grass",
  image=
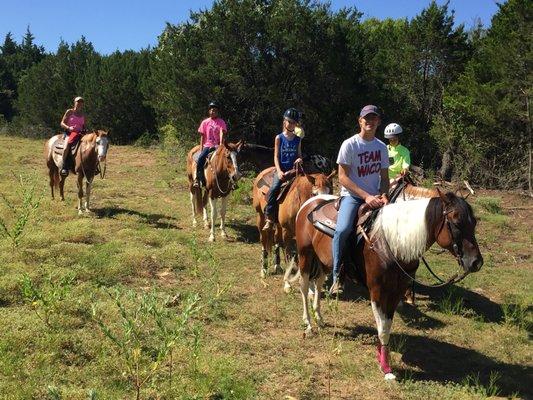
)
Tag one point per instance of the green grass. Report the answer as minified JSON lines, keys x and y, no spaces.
{"x":244,"y":341}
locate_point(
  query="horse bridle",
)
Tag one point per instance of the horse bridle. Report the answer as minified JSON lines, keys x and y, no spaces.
{"x":454,"y":233}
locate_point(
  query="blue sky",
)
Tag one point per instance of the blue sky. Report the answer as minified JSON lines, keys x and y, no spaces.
{"x":121,"y":25}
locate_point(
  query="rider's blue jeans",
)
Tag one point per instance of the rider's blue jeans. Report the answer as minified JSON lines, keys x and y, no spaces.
{"x":345,"y":225}
{"x":271,"y":208}
{"x":201,"y":162}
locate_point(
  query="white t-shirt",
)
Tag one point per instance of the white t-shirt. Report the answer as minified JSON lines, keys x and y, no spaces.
{"x":365,"y":159}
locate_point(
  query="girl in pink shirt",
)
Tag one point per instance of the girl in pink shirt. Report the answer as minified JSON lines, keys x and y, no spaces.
{"x":73,"y":123}
{"x":212,"y":131}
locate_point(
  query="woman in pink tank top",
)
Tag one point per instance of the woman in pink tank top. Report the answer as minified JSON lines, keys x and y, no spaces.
{"x":73,"y":123}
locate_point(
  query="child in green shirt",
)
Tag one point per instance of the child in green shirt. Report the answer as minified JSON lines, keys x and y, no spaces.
{"x":399,"y":156}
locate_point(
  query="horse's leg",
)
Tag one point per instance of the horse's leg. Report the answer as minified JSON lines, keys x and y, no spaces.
{"x":88,"y":186}
{"x":213,"y":204}
{"x":319,"y":282}
{"x":304,"y":289}
{"x":223,"y":206}
{"x":80,"y":193}
{"x":277,"y":248}
{"x":264,"y":244}
{"x":203,"y":198}
{"x":383,"y":318}
{"x":62,"y":187}
{"x":194,"y":223}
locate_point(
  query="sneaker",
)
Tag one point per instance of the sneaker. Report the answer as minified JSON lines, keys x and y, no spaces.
{"x":337,"y":288}
{"x":268,"y":225}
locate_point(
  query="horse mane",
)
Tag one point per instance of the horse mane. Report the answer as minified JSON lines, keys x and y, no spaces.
{"x":417,"y":191}
{"x":403,"y":226}
{"x":89,"y":136}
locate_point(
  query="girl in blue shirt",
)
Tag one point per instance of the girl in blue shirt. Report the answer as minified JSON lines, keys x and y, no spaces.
{"x":287,"y":152}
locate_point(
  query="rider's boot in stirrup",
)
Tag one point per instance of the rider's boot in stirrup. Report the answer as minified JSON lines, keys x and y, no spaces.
{"x":66,"y":150}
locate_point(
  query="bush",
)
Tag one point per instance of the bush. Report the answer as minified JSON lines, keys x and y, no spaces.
{"x":490,"y":204}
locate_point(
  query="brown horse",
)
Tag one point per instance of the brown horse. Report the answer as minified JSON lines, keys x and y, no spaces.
{"x":401,"y":233}
{"x":302,"y":188}
{"x":92,"y":151}
{"x":221,"y":174}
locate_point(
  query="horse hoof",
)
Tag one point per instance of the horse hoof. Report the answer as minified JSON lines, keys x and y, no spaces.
{"x":224,"y":235}
{"x":263,"y":273}
{"x":211,"y":238}
{"x":194,"y":223}
{"x":390,"y":376}
{"x":278,"y":269}
{"x":80,"y":212}
{"x":320,"y":322}
{"x":308,"y":332}
{"x":206,"y":226}
{"x":287,"y":287}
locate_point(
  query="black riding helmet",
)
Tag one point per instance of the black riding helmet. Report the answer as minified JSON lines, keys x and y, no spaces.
{"x":293,"y":114}
{"x":213,"y":104}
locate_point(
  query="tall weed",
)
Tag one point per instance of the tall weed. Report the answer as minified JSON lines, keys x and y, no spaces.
{"x":46,"y":298}
{"x":14,"y":226}
{"x":148,"y":334}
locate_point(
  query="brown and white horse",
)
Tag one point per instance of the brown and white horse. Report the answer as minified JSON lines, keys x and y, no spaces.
{"x":302,"y":188}
{"x":401,"y":233}
{"x":221,"y":174}
{"x":92,"y":151}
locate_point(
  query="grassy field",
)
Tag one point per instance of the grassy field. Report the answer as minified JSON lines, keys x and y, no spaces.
{"x":131,"y":302}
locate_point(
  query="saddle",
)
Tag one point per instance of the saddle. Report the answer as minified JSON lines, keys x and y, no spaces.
{"x":324,"y":218}
{"x":59,"y":145}
{"x":266,"y":180}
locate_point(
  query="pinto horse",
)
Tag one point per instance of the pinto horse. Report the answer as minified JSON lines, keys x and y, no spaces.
{"x":221,"y":174}
{"x":302,"y":188}
{"x":92,"y":151}
{"x":385,"y":262}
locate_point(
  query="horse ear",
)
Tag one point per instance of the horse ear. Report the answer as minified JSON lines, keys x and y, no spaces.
{"x":311,"y":179}
{"x":333,"y":173}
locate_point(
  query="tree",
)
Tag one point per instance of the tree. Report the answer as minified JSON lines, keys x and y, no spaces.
{"x":486,"y":118}
{"x":258,"y":59}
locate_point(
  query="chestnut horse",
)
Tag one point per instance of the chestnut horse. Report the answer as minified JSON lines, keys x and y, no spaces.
{"x":302,"y":188}
{"x":401,"y":233}
{"x":221,"y":174}
{"x":92,"y":151}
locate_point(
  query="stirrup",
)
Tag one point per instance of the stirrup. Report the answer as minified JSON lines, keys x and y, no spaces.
{"x":63,"y":172}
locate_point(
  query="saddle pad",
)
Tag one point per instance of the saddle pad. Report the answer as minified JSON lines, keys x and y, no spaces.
{"x":324,"y":217}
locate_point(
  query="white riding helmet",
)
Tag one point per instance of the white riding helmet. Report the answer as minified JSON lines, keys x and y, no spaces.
{"x":392,"y":130}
